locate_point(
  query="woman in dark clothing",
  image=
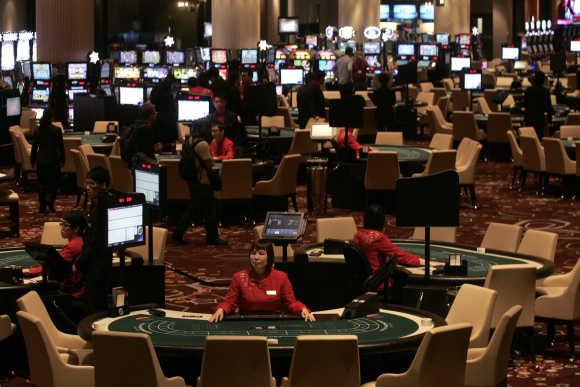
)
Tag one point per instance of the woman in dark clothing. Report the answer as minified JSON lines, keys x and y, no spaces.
{"x":384,"y":99}
{"x":537,"y":103}
{"x":59,"y":100}
{"x":48,"y":155}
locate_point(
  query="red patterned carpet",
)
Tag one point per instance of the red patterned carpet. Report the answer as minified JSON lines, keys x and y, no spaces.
{"x":497,"y":204}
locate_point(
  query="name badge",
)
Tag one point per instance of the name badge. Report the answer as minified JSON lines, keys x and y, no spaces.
{"x":270,"y":292}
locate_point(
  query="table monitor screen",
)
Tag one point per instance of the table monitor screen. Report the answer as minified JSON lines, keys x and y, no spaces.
{"x":151,"y":57}
{"x":105,"y":71}
{"x":249,"y":56}
{"x":174,"y":57}
{"x":472,"y":81}
{"x":288,"y":25}
{"x":428,"y":50}
{"x":128,"y":57}
{"x":520,"y":65}
{"x":41,"y":71}
{"x":127,"y":72}
{"x":283,"y":225}
{"x":77,"y":70}
{"x":12,"y":106}
{"x":291,"y":76}
{"x":460,"y":63}
{"x":148,"y":183}
{"x":125,"y":226}
{"x":192,"y":110}
{"x":442,"y":39}
{"x":372,"y":48}
{"x":219,"y":56}
{"x":510,"y":53}
{"x":406,"y":49}
{"x":155,"y":72}
{"x":575,"y":45}
{"x":40,"y":95}
{"x":131,"y":96}
{"x":321,"y":132}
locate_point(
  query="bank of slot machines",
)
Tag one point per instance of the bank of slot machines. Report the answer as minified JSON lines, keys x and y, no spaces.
{"x":539,"y":39}
{"x":220,"y":58}
{"x":41,"y":87}
{"x":372,"y":53}
{"x":77,"y":76}
{"x":326,"y":63}
{"x":463,"y":45}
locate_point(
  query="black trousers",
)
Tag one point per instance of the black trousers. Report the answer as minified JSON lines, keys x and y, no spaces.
{"x":203,"y":204}
{"x":48,"y":180}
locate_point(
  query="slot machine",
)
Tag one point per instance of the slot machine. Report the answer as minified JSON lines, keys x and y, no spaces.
{"x":280,"y":59}
{"x":174,"y":58}
{"x":128,"y":85}
{"x":105,"y":78}
{"x":428,"y":55}
{"x":442,"y":41}
{"x":182,"y":74}
{"x":302,"y":58}
{"x":76,"y":82}
{"x":249,"y":62}
{"x":405,"y":53}
{"x":8,"y":54}
{"x":41,"y":82}
{"x":219,"y":59}
{"x":372,"y":53}
{"x":464,"y":45}
{"x":326,"y":63}
{"x":151,"y":57}
{"x":152,"y":76}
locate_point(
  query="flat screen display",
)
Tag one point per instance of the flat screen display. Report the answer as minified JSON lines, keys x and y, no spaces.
{"x":460,"y":63}
{"x":385,"y":12}
{"x":465,"y":39}
{"x":189,"y":111}
{"x":41,"y":71}
{"x":155,"y":72}
{"x":291,"y":76}
{"x":40,"y":95}
{"x":405,"y":49}
{"x":373,"y":61}
{"x":427,"y":12}
{"x":125,"y":226}
{"x":472,"y":81}
{"x":127,"y":72}
{"x":575,"y":45}
{"x":428,"y":50}
{"x":128,"y":57}
{"x":288,"y":25}
{"x":105,"y":71}
{"x":405,"y":11}
{"x":219,"y":56}
{"x":184,"y":73}
{"x":510,"y":53}
{"x":77,"y":70}
{"x":372,"y":48}
{"x":174,"y":57}
{"x":39,"y":112}
{"x":283,"y":225}
{"x":326,"y":65}
{"x":147,"y":182}
{"x":249,"y":56}
{"x":12,"y":106}
{"x":151,"y":57}
{"x":442,"y":39}
{"x":321,"y":132}
{"x":131,"y":96}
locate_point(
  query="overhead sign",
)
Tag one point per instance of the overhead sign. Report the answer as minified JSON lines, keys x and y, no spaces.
{"x":372,"y":32}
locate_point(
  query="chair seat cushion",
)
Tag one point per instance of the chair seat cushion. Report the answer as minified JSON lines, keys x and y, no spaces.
{"x":551,"y":291}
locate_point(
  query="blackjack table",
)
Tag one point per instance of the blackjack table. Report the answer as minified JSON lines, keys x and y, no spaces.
{"x":405,"y":154}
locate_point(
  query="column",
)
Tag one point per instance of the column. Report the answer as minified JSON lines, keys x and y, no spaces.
{"x":359,"y":14}
{"x":502,"y":24}
{"x":272,"y":13}
{"x":65,"y":30}
{"x":453,"y":17}
{"x":236,"y":23}
{"x":13,"y":15}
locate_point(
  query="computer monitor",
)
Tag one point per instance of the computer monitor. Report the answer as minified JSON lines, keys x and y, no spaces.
{"x":174,"y":57}
{"x":442,"y":39}
{"x":41,"y":71}
{"x":405,"y":11}
{"x":77,"y":71}
{"x":427,"y":12}
{"x":125,"y":224}
{"x":521,"y":65}
{"x":293,"y":76}
{"x":575,"y":45}
{"x":150,"y":180}
{"x":249,"y":56}
{"x":189,"y":110}
{"x":128,"y":57}
{"x":219,"y":56}
{"x":151,"y":57}
{"x":288,"y":25}
{"x":510,"y":53}
{"x":406,"y":49}
{"x":460,"y":63}
{"x":471,"y":81}
{"x":131,"y":96}
{"x":13,"y":108}
{"x":284,"y":226}
{"x":321,"y":132}
{"x":155,"y":72}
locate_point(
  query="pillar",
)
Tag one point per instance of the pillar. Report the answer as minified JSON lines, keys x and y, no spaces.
{"x":453,"y":17}
{"x":65,"y":30}
{"x":502,"y":25}
{"x":359,"y":14}
{"x":236,"y":23}
{"x":13,"y":15}
{"x":270,"y":20}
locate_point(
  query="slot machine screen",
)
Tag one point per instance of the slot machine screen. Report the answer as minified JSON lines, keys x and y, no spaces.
{"x":41,"y":71}
{"x":460,"y":63}
{"x":155,"y":72}
{"x":151,"y":57}
{"x":219,"y":56}
{"x":192,"y":110}
{"x":26,"y":69}
{"x":72,"y":92}
{"x":311,"y":41}
{"x":174,"y":57}
{"x":125,"y":226}
{"x":373,"y":61}
{"x":465,"y":39}
{"x":472,"y":81}
{"x":326,"y":65}
{"x":510,"y":53}
{"x":385,"y":12}
{"x":127,"y":73}
{"x":442,"y":39}
{"x":427,"y":12}
{"x":40,"y":95}
{"x":8,"y":58}
{"x":23,"y":50}
{"x":575,"y":45}
{"x":128,"y":57}
{"x":288,"y":25}
{"x":429,"y":50}
{"x":372,"y":48}
{"x":131,"y":96}
{"x":8,"y":80}
{"x":77,"y":70}
{"x":405,"y":11}
{"x":13,"y":108}
{"x":105,"y":70}
{"x":205,"y":54}
{"x":404,"y":49}
{"x":184,"y":73}
{"x":291,"y":76}
{"x":249,"y":56}
{"x":107,"y":90}
{"x":223,"y":74}
{"x":39,"y":112}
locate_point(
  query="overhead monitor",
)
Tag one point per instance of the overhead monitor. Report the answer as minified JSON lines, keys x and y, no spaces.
{"x":207,"y":30}
{"x":77,"y":71}
{"x":174,"y":57}
{"x":150,"y":181}
{"x":128,"y":57}
{"x":520,"y":65}
{"x":405,"y":11}
{"x":471,"y":81}
{"x":288,"y":25}
{"x":385,"y":12}
{"x":219,"y":56}
{"x":283,"y":225}
{"x":131,"y":96}
{"x":249,"y":56}
{"x":151,"y":57}
{"x":406,"y":49}
{"x":40,"y":95}
{"x":460,"y":63}
{"x":442,"y":39}
{"x":105,"y":70}
{"x":155,"y":72}
{"x":41,"y":71}
{"x":321,"y":132}
{"x":429,"y":50}
{"x":13,"y":108}
{"x":427,"y":12}
{"x":294,"y":76}
{"x":184,"y":73}
{"x":132,"y":72}
{"x":510,"y":53}
{"x":372,"y":48}
{"x":125,"y":225}
{"x":575,"y":45}
{"x":193,"y":109}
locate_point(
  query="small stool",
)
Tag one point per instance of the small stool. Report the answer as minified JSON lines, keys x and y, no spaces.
{"x":11,"y":199}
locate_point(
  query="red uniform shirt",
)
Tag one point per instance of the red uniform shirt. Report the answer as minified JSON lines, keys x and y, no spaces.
{"x":199,"y":90}
{"x":70,"y":253}
{"x":352,"y":142}
{"x":271,"y":293}
{"x":222,"y":151}
{"x":377,"y":247}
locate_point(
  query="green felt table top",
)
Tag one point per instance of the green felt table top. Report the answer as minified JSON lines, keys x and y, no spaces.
{"x":91,"y":139}
{"x":166,"y":331}
{"x":284,"y":132}
{"x":570,"y":144}
{"x":405,"y":153}
{"x":16,"y":258}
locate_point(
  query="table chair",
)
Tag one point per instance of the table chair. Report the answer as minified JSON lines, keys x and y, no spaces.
{"x":534,"y":161}
{"x":283,"y":184}
{"x":540,"y":244}
{"x":502,"y":237}
{"x":342,"y":228}
{"x":558,"y":163}
{"x":438,"y":234}
{"x":121,"y":176}
{"x":441,"y":141}
{"x":159,"y":245}
{"x":389,"y":138}
{"x":51,"y":235}
{"x":439,"y":161}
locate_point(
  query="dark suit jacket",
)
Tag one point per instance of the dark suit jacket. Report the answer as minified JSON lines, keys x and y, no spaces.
{"x":537,"y":102}
{"x":384,"y":99}
{"x":48,"y":147}
{"x":310,"y":104}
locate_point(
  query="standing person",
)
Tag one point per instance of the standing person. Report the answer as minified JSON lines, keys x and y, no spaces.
{"x":343,"y":68}
{"x":195,"y":167}
{"x":139,"y":142}
{"x":48,"y":155}
{"x":537,"y":103}
{"x":59,"y":100}
{"x":163,"y":98}
{"x":311,"y":99}
{"x":384,"y":99}
{"x":359,"y":72}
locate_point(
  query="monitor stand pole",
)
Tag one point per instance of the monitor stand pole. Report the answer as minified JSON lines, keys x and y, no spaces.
{"x":427,"y":252}
{"x":149,"y":210}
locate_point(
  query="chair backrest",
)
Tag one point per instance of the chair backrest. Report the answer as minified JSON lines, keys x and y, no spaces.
{"x":473,"y":305}
{"x":24,"y":150}
{"x":515,"y":285}
{"x":183,"y":131}
{"x":443,"y":105}
{"x":438,"y":234}
{"x":502,"y":237}
{"x":302,"y":143}
{"x":31,"y":303}
{"x":121,"y":176}
{"x":247,"y":359}
{"x":159,"y":245}
{"x":573,"y":119}
{"x":426,"y":97}
{"x":85,"y":150}
{"x":440,"y":161}
{"x":236,"y":176}
{"x":489,"y":95}
{"x":116,"y":149}
{"x":389,"y":138}
{"x":325,"y":360}
{"x":14,"y":131}
{"x":533,"y":158}
{"x":466,"y":151}
{"x":517,"y":153}
{"x":498,"y":124}
{"x":51,"y":235}
{"x":556,"y":157}
{"x":273,"y":121}
{"x":342,"y":228}
{"x":441,"y":141}
{"x":178,"y":189}
{"x":98,"y":160}
{"x":483,"y":106}
{"x":448,"y":84}
{"x":124,"y":359}
{"x":101,"y":126}
{"x":27,"y":118}
{"x":284,"y":181}
{"x":460,"y":99}
{"x":331,"y":94}
{"x":464,"y":125}
{"x":70,"y":143}
{"x":509,"y":102}
{"x":382,"y":171}
{"x":81,"y":167}
{"x":426,"y":86}
{"x":537,"y":243}
{"x":528,"y":131}
{"x":570,"y":131}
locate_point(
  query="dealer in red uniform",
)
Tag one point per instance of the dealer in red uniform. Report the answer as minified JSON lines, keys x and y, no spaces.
{"x":261,"y":288}
{"x":221,"y":147}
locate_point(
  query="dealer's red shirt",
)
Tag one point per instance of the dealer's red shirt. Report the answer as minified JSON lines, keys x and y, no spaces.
{"x":222,"y":151}
{"x":377,"y":246}
{"x":272,"y":293}
{"x":352,"y":142}
{"x":70,"y":253}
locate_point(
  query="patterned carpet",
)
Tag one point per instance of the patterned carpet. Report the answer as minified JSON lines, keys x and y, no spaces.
{"x":497,"y":204}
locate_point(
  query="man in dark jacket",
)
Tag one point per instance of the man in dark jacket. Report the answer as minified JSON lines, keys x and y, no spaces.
{"x":311,"y":99}
{"x":537,"y":103}
{"x":162,"y":97}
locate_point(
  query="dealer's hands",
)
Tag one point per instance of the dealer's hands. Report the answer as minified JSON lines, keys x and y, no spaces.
{"x":217,"y":316}
{"x":307,"y":315}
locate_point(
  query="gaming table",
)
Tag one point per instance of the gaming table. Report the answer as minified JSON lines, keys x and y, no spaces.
{"x":94,"y":140}
{"x":405,"y":154}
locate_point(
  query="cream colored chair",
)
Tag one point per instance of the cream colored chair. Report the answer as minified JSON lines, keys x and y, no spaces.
{"x":534,"y":161}
{"x":98,"y":160}
{"x":439,"y":361}
{"x":427,"y":98}
{"x":483,"y":106}
{"x":116,"y":149}
{"x":426,"y":86}
{"x":460,"y":100}
{"x":47,"y":367}
{"x":236,"y":176}
{"x":502,"y":237}
{"x":121,"y":176}
{"x":331,"y":94}
{"x":508,"y":103}
{"x":439,"y":92}
{"x":124,"y":359}
{"x":382,"y":171}
{"x":278,"y":250}
{"x":18,"y":157}
{"x":7,"y":327}
{"x":324,"y":360}
{"x":441,"y":141}
{"x":489,"y":95}
{"x":70,"y":143}
{"x":369,"y":124}
{"x":183,"y":131}
{"x":342,"y":228}
{"x":439,"y":161}
{"x":28,"y":119}
{"x":570,"y":131}
{"x":528,"y":131}
{"x":51,"y":235}
{"x":573,"y":119}
{"x":25,"y":151}
{"x":81,"y":171}
{"x":498,"y":124}
{"x":473,"y":305}
{"x":517,"y":157}
{"x":488,"y":366}
{"x":31,"y":303}
{"x":247,"y":359}
{"x":465,"y":165}
{"x":159,"y":245}
{"x":302,"y":144}
{"x":557,"y":161}
{"x":464,"y":125}
{"x":389,"y":138}
{"x":449,"y":84}
{"x":273,"y":122}
{"x":540,"y":244}
{"x":284,"y":181}
{"x":438,"y":122}
{"x":438,"y":234}
{"x":443,"y":104}
{"x":177,"y":189}
{"x":86,"y":149}
{"x":101,"y":126}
